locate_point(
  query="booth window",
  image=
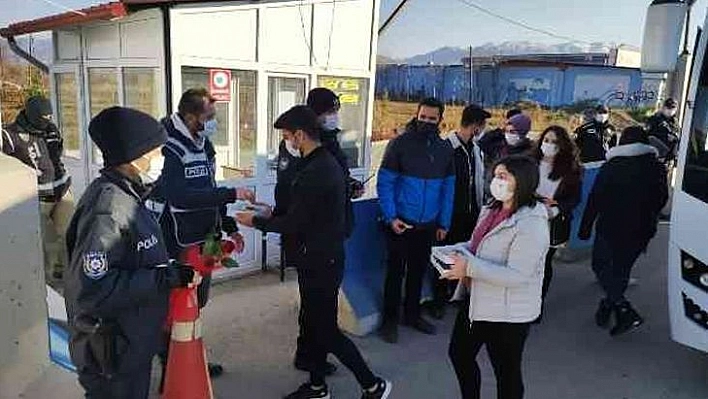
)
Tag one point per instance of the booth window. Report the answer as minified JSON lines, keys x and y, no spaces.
{"x":283,"y":94}
{"x":103,"y":93}
{"x":67,"y":112}
{"x":353,"y":96}
{"x":140,"y":90}
{"x":235,"y":140}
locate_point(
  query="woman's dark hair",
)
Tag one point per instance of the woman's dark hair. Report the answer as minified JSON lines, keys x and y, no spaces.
{"x":566,"y":162}
{"x":633,"y":135}
{"x":525,"y":172}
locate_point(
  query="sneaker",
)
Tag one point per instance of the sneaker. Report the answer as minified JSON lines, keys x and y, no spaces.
{"x":422,"y":325}
{"x":603,"y":313}
{"x":382,"y":391}
{"x":626,"y":319}
{"x":215,"y":370}
{"x":307,"y":392}
{"x":389,"y":333}
{"x":302,"y":365}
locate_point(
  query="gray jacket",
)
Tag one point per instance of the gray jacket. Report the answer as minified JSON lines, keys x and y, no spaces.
{"x":507,"y":271}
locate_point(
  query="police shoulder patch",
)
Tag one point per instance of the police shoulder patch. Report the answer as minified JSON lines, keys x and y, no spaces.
{"x":95,"y":265}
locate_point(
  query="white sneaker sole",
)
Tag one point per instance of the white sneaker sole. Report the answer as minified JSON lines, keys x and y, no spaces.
{"x":387,"y":392}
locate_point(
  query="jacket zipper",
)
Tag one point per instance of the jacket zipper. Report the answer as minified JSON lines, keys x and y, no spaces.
{"x":471,"y":183}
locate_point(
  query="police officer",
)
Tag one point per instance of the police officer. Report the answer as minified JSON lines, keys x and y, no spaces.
{"x":35,"y":141}
{"x":316,"y":217}
{"x":595,"y":137}
{"x":663,"y":130}
{"x":194,"y":206}
{"x":119,"y":277}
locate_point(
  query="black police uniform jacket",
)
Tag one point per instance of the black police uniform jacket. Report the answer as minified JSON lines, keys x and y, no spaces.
{"x":116,"y":275}
{"x":41,"y":150}
{"x":593,"y":140}
{"x":194,"y":206}
{"x":666,"y":130}
{"x":315,"y":216}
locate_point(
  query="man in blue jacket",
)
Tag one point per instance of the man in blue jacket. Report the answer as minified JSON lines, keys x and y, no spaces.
{"x":193,"y":206}
{"x":416,"y":188}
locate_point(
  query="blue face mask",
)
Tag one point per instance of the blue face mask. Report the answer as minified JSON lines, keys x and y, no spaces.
{"x":211,"y":127}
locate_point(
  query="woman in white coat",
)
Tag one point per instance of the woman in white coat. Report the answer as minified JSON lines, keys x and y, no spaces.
{"x":502,"y":269}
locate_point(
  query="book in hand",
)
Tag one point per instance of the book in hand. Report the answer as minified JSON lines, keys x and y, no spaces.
{"x":442,"y":257}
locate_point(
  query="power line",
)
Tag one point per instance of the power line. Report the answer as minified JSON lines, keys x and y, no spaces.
{"x":520,"y":23}
{"x":65,"y":8}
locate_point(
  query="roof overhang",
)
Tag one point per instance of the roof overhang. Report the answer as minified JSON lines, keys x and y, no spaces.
{"x":103,"y":12}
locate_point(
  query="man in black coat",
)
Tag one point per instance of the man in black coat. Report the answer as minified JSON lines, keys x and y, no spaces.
{"x":593,"y":138}
{"x":626,"y":199}
{"x":316,"y":218}
{"x":469,"y":191}
{"x":664,"y":129}
{"x":36,"y":141}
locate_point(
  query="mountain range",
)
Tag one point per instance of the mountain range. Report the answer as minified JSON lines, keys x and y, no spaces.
{"x":454,"y":55}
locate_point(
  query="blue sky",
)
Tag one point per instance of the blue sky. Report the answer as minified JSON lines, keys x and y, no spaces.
{"x":422,"y":27}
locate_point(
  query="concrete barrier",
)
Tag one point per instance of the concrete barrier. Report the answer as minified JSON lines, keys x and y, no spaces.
{"x":24,"y":350}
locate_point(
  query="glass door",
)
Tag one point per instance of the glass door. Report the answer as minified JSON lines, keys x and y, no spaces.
{"x":284,"y":92}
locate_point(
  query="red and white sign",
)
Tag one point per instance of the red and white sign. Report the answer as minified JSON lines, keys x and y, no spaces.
{"x":220,"y":84}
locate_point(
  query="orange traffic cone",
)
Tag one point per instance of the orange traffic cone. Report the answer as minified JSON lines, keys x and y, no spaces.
{"x":186,"y":375}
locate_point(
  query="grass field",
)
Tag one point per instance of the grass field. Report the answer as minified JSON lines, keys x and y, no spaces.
{"x":391,"y":116}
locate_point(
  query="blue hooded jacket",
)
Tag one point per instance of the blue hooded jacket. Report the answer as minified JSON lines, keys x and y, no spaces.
{"x":416,"y":181}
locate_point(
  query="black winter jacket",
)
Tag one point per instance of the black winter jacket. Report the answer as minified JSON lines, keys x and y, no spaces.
{"x":465,"y":208}
{"x":593,"y":139}
{"x":315,"y":216}
{"x":629,"y":192}
{"x":41,"y":150}
{"x":117,"y":274}
{"x":666,"y":130}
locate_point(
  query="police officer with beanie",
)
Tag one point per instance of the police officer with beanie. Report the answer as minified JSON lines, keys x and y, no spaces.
{"x":119,"y":276}
{"x":35,"y":141}
{"x":316,"y":218}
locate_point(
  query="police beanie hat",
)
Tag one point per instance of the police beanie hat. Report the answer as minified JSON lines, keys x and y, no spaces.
{"x":124,"y":134}
{"x":322,"y":100}
{"x":521,"y":123}
{"x":299,"y":117}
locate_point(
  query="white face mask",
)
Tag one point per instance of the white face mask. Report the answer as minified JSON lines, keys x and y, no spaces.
{"x":668,"y":112}
{"x":549,"y":149}
{"x":211,"y":127}
{"x":291,"y":149}
{"x":149,"y":176}
{"x":602,"y":118}
{"x":512,"y":139}
{"x":500,"y":190}
{"x":330,"y":122}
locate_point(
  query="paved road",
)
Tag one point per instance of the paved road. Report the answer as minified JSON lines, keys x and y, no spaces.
{"x":251,"y":330}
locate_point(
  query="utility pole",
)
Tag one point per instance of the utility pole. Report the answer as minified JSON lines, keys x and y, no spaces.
{"x":471,"y":94}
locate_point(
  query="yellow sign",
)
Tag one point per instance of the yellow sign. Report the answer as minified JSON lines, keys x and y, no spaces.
{"x":340,"y":84}
{"x":349,"y":98}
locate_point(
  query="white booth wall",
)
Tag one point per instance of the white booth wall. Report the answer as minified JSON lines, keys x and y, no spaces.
{"x":276,"y":51}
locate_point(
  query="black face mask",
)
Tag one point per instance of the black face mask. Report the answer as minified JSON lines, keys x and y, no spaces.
{"x":36,"y":110}
{"x":427,"y":128}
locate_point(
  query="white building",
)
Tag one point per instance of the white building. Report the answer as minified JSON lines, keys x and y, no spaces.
{"x":145,"y":53}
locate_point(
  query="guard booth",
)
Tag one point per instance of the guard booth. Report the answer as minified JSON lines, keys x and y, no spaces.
{"x":258,"y":58}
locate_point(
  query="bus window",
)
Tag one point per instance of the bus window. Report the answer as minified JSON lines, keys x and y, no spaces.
{"x":695,"y":177}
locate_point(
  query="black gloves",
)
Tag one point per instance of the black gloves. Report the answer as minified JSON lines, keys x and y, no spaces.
{"x":179,"y":275}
